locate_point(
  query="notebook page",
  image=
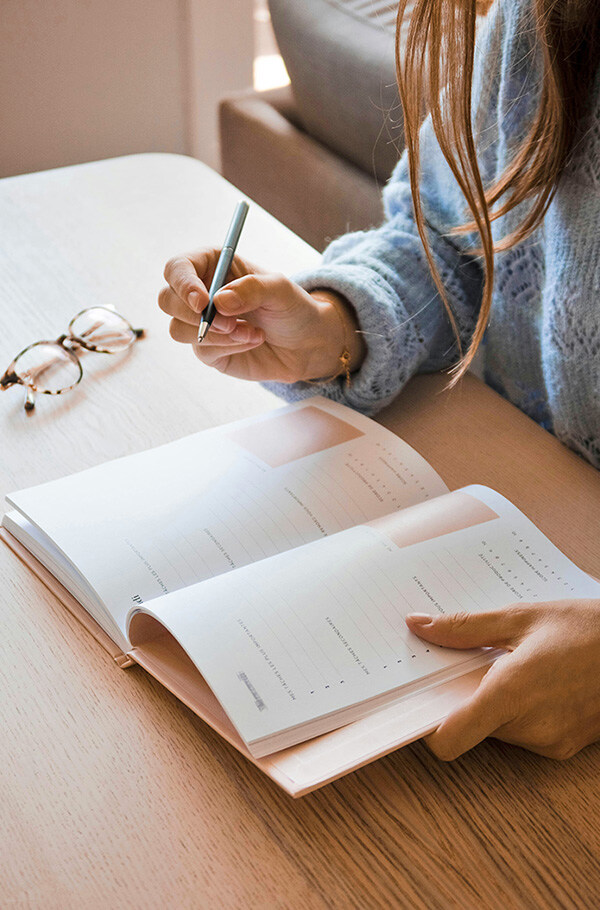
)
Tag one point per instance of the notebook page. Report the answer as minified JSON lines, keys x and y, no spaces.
{"x":152,"y":523}
{"x":290,"y":641}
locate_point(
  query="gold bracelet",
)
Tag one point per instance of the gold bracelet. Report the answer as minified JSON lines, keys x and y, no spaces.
{"x":344,"y":358}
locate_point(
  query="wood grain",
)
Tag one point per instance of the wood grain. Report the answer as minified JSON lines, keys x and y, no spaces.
{"x":112,"y":791}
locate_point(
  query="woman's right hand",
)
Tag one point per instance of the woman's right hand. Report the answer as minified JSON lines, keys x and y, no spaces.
{"x":266,"y":327}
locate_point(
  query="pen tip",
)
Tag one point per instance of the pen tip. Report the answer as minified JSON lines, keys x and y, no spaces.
{"x":202,"y":330}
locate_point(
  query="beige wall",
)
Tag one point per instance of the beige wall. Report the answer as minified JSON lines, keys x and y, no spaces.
{"x":88,"y":79}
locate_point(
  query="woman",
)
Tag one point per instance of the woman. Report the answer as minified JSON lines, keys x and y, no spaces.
{"x":490,"y":244}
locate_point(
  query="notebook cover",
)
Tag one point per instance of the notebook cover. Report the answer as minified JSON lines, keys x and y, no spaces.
{"x":306,"y":767}
{"x":66,"y":598}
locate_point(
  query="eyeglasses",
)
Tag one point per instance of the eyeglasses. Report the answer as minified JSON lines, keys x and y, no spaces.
{"x":53,"y":367}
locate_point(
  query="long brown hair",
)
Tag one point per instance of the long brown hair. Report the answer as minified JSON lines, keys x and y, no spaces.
{"x":438,"y":56}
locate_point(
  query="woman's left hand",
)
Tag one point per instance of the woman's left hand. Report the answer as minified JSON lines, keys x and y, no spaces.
{"x":544,"y":694}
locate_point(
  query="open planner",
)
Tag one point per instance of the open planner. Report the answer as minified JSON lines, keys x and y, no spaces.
{"x":262,"y":571}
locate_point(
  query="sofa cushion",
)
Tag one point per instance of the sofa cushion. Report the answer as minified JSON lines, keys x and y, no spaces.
{"x":340,"y":58}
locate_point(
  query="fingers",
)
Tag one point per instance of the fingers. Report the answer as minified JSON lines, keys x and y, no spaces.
{"x":170,"y":303}
{"x":185,"y":277}
{"x":544,"y":695}
{"x":490,"y":708}
{"x":560,"y":749}
{"x":187,"y":296}
{"x":248,"y":293}
{"x":500,"y":628}
{"x":190,"y":275}
{"x":240,"y":333}
{"x":222,"y":356}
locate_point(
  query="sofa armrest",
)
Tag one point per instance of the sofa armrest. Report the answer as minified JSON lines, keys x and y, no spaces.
{"x":308,"y":187}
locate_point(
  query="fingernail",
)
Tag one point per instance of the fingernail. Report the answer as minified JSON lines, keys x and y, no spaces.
{"x":194,"y":301}
{"x":421,"y":619}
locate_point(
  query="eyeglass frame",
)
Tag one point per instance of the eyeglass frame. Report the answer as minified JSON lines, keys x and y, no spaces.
{"x":10,"y":378}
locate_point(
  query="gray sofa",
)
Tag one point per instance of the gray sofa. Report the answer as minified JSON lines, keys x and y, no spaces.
{"x":317,"y":153}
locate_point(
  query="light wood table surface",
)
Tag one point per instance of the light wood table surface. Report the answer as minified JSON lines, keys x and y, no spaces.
{"x":113,"y":793}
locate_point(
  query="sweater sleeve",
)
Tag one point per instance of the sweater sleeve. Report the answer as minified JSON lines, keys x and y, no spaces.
{"x":385,"y":275}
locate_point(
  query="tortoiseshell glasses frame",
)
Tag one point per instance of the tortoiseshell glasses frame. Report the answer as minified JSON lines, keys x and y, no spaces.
{"x":53,"y":367}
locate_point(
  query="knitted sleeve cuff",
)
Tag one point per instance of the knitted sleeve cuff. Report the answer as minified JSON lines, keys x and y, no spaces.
{"x":395,"y":342}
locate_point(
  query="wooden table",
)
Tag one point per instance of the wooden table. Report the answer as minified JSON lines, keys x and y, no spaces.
{"x":113,"y":792}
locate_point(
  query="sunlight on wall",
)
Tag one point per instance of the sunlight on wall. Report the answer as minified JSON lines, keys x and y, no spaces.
{"x":269,"y":70}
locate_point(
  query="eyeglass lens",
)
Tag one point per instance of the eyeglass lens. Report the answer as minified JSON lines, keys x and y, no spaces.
{"x":102,"y":330}
{"x":48,"y":367}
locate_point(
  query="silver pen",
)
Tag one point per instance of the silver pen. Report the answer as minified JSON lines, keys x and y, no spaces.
{"x":223,"y":266}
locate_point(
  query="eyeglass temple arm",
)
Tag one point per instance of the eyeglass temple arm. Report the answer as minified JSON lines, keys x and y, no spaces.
{"x":9,"y":378}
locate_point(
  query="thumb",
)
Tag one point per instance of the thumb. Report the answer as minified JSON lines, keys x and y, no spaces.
{"x":499,"y":628}
{"x":246,"y":294}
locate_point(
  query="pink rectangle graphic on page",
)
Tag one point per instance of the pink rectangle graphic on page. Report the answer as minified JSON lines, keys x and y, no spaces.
{"x":287,"y":437}
{"x":434,"y":518}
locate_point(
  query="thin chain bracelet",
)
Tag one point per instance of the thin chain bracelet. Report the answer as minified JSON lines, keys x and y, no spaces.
{"x":344,"y":358}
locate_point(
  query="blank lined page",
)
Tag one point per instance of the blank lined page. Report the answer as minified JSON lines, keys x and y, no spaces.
{"x":149,"y":524}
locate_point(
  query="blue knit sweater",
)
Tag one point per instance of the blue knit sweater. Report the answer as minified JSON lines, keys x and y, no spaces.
{"x":542,"y":345}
